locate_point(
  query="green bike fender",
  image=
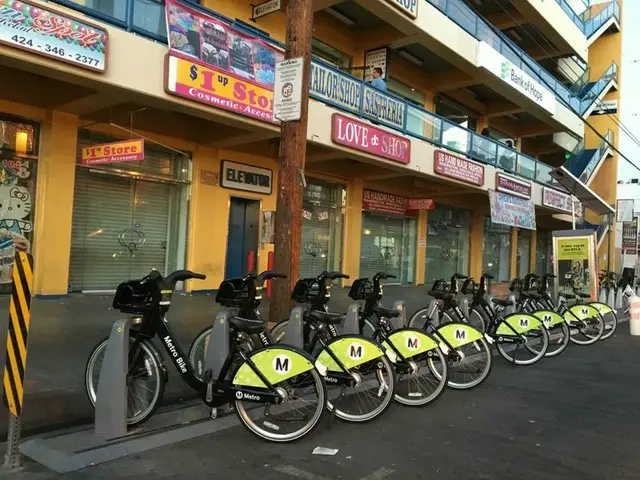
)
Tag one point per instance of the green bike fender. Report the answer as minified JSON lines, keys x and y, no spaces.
{"x":459,"y":334}
{"x":276,"y":363}
{"x":581,"y":312}
{"x":520,"y":322}
{"x":410,"y":342}
{"x":603,"y":308}
{"x":351,"y":350}
{"x":549,"y":318}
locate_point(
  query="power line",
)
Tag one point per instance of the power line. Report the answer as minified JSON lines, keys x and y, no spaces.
{"x":562,"y":100}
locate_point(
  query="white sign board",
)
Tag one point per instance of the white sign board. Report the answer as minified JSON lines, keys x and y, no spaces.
{"x":240,"y":176}
{"x":502,"y":68}
{"x":409,"y":7}
{"x":378,"y":58}
{"x":624,"y":210}
{"x":265,"y":8}
{"x":287,"y":91}
{"x":606,"y":107}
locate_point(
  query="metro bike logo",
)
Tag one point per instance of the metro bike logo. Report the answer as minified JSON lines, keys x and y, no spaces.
{"x":355,"y":351}
{"x":461,"y":334}
{"x":524,"y":322}
{"x":282,"y":364}
{"x":413,"y":343}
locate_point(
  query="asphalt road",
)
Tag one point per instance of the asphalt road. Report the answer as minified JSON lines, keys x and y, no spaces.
{"x":571,"y":417}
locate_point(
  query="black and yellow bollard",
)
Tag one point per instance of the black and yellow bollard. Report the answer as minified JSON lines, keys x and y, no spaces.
{"x":16,"y":356}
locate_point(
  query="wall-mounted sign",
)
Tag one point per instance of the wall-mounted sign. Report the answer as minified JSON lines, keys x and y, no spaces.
{"x":512,"y":211}
{"x":409,"y":7}
{"x":381,"y":202}
{"x":330,"y":86}
{"x":114,"y":152}
{"x":378,"y":58}
{"x":502,"y":68}
{"x":512,"y":185}
{"x":287,"y":92}
{"x":630,"y":234}
{"x":459,"y":168}
{"x":560,"y":201}
{"x":212,"y":63}
{"x":606,"y":107}
{"x":421,"y":204}
{"x":382,"y":107}
{"x":240,"y":176}
{"x":209,"y":177}
{"x":268,"y":227}
{"x":624,"y":210}
{"x":367,"y":138}
{"x":265,"y":8}
{"x":46,"y":32}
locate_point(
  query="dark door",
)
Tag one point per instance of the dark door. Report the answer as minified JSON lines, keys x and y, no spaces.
{"x":242,"y":241}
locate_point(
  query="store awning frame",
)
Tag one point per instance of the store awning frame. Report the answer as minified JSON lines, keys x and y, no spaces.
{"x":584,"y":194}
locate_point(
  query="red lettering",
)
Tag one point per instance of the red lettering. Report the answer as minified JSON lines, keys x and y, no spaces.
{"x":252,"y":97}
{"x":207,"y":80}
{"x":240,"y":91}
{"x":263,"y":101}
{"x":56,"y":26}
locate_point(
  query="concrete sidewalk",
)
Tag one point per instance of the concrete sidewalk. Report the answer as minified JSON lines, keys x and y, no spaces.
{"x":64,"y":332}
{"x":570,"y":417}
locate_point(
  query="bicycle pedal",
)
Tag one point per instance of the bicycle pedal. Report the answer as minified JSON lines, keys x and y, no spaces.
{"x":215,"y":412}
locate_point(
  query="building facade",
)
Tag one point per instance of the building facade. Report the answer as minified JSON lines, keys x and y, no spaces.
{"x":127,"y":145}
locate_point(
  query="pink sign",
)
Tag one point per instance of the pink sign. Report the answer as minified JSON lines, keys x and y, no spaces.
{"x":366,"y":138}
{"x":459,"y":168}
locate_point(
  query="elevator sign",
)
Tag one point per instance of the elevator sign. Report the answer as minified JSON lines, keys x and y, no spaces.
{"x":240,"y":176}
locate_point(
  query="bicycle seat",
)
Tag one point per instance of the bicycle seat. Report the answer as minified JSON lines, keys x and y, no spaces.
{"x":385,"y":312}
{"x":441,"y":295}
{"x":534,"y":295}
{"x":583,"y":295}
{"x":503,"y":302}
{"x":567,"y":295}
{"x":246,"y":325}
{"x":324,"y":317}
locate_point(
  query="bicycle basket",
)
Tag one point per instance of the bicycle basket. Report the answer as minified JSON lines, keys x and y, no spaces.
{"x":135,"y":298}
{"x":232,"y":293}
{"x":306,"y":290}
{"x":361,"y":289}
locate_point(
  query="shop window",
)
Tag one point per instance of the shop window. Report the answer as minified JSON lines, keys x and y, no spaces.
{"x":18,"y":167}
{"x":414,"y":123}
{"x":544,"y":252}
{"x":330,"y":55}
{"x":323,"y":207}
{"x":448,"y":231}
{"x":496,"y":251}
{"x":388,"y":244}
{"x":524,"y":252}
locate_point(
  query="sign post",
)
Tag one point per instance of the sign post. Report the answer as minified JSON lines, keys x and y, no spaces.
{"x":16,"y":355}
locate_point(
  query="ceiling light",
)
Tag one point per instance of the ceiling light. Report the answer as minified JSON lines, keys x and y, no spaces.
{"x":515,"y":35}
{"x":410,"y":58}
{"x":339,"y":16}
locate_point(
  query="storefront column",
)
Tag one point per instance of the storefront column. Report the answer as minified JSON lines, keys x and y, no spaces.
{"x":513,"y":270}
{"x":421,"y":252}
{"x":54,"y":203}
{"x":482,"y":123}
{"x":533,"y":251}
{"x":353,"y":230}
{"x":477,"y":240}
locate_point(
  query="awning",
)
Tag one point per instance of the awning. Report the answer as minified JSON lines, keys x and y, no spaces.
{"x":587,"y":197}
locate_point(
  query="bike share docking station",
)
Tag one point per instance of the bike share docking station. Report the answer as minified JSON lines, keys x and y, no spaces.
{"x":110,"y":438}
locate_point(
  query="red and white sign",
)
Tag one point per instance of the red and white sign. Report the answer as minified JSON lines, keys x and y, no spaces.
{"x":114,"y":152}
{"x":421,"y":204}
{"x":373,"y":201}
{"x":459,"y":168}
{"x":366,"y":138}
{"x":513,"y":186}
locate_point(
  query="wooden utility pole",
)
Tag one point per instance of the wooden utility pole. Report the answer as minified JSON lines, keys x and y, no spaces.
{"x":293,"y":146}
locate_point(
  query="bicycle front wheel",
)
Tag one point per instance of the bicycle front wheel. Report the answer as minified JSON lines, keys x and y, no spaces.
{"x":558,"y":339}
{"x":145,"y":378}
{"x":588,"y":331}
{"x":536,"y":344}
{"x":610,"y":324}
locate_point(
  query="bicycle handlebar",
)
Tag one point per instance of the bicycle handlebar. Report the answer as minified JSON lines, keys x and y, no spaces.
{"x":331,"y":276}
{"x":175,"y":277}
{"x":383,"y":276}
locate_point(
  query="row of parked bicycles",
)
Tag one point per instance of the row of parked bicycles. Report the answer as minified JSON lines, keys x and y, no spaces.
{"x":352,"y":366}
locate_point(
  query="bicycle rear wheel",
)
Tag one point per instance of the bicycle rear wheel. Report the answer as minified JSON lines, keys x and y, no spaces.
{"x":533,"y":350}
{"x":558,"y":339}
{"x":610,"y":324}
{"x":588,"y":331}
{"x":145,"y":378}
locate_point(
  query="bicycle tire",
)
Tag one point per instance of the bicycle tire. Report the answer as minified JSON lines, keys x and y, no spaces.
{"x":538,"y":355}
{"x":608,"y":332}
{"x":593,"y":339}
{"x":561,"y":346}
{"x":156,"y":366}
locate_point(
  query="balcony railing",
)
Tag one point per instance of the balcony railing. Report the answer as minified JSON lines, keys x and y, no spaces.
{"x":597,"y":157}
{"x":592,"y":25}
{"x":409,"y":118}
{"x":598,"y":88}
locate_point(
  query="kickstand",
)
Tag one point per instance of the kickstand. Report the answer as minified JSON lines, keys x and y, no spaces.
{"x":513,"y":361}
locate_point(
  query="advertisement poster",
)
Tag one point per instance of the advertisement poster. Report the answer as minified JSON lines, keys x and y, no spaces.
{"x":629,"y":234}
{"x":114,"y":152}
{"x":575,"y":262}
{"x":512,"y":211}
{"x":219,"y":65}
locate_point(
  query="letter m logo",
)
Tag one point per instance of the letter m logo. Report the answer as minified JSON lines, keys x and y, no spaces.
{"x":524,"y":322}
{"x":355,"y":351}
{"x":282,"y":364}
{"x":461,"y":334}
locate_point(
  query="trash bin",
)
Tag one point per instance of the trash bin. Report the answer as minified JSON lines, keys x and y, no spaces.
{"x":634,"y":312}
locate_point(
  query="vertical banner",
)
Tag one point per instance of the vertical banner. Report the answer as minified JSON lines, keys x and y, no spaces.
{"x":575,"y":261}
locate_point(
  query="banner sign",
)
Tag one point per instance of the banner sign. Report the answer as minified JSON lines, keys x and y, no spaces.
{"x":575,"y":261}
{"x":409,"y":7}
{"x":384,"y":108}
{"x":561,"y":201}
{"x":373,"y":201}
{"x":46,"y":32}
{"x":421,"y":204}
{"x":239,"y":176}
{"x":624,"y":210}
{"x":212,"y":63}
{"x":513,"y":186}
{"x":512,"y":211}
{"x":366,"y":138}
{"x":630,"y":233}
{"x":332,"y":87}
{"x":458,"y":168}
{"x":501,"y":67}
{"x":378,"y":58}
{"x":114,"y":152}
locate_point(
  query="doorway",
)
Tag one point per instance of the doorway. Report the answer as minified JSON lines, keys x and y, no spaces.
{"x":242,"y":241}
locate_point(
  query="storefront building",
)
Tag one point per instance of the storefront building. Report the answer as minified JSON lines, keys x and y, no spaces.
{"x":115,"y":163}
